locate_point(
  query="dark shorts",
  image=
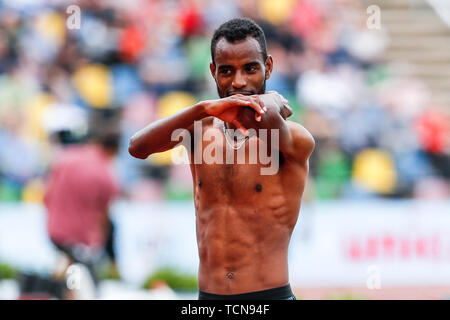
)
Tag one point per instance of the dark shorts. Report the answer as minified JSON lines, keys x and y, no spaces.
{"x":280,"y":293}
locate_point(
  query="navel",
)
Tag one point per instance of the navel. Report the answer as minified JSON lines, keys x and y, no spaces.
{"x":199,"y":182}
{"x":258,"y":187}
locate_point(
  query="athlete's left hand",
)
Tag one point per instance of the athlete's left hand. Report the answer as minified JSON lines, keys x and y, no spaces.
{"x":274,"y":99}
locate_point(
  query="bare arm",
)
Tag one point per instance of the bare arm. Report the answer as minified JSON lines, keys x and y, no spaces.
{"x":156,"y":137}
{"x":302,"y":143}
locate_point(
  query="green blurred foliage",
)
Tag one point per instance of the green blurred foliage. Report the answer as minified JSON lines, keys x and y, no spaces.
{"x":377,"y":74}
{"x":176,"y":280}
{"x":10,"y":192}
{"x":346,"y":296}
{"x":176,"y":192}
{"x":8,"y":272}
{"x":297,"y":108}
{"x":109,"y":272}
{"x":199,"y":57}
{"x":333,"y":174}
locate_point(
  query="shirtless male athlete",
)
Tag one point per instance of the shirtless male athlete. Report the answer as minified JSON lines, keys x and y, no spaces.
{"x":244,"y":220}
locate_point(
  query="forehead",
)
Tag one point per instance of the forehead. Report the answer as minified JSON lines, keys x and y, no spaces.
{"x":241,"y":51}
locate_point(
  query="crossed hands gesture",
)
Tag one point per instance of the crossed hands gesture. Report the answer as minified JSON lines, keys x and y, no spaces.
{"x":228,"y":109}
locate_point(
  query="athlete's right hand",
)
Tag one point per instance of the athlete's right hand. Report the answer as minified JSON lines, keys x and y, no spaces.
{"x":227,"y":109}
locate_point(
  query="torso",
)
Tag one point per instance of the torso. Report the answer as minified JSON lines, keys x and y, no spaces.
{"x":244,"y":220}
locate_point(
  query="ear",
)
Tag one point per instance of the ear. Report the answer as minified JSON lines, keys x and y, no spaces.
{"x":212,"y":68}
{"x":269,"y":66}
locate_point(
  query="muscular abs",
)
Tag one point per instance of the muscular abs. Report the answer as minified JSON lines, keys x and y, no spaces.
{"x":244,"y":222}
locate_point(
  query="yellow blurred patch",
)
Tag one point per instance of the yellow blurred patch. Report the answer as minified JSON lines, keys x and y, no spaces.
{"x":35,"y":109}
{"x":175,"y":156}
{"x":375,"y":170}
{"x":276,"y":12}
{"x":34,"y":191}
{"x":161,"y":158}
{"x":168,"y":105}
{"x":93,"y":82}
{"x":52,"y":26}
{"x":173,"y":102}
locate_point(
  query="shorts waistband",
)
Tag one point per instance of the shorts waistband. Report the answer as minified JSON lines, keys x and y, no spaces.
{"x":279,"y":293}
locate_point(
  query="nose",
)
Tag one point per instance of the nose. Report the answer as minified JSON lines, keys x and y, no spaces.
{"x":239,"y":80}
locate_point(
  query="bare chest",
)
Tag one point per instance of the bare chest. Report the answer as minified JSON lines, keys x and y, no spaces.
{"x":225,"y":166}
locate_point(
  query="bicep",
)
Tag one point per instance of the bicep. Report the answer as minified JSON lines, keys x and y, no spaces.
{"x":301,"y":145}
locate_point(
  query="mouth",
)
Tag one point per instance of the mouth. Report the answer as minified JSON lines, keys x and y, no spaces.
{"x":245,"y":93}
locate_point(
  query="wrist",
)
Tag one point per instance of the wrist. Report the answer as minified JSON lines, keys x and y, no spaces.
{"x":201,"y":109}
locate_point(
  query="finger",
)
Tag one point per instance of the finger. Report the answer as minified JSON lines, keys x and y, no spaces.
{"x":285,"y":102}
{"x":244,"y":101}
{"x":240,"y":127}
{"x":262,"y":104}
{"x":287,"y":111}
{"x":256,"y":106}
{"x":258,"y":101}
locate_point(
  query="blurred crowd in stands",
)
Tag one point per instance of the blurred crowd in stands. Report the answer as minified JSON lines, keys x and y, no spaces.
{"x":377,"y":134}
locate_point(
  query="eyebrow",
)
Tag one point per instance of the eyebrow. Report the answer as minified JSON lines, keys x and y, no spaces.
{"x":249,"y":64}
{"x":253,"y":63}
{"x":223,"y":66}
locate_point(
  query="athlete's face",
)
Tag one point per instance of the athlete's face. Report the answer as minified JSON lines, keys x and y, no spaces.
{"x":239,"y":67}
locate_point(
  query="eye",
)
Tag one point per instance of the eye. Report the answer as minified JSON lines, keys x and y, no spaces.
{"x":224,"y":71}
{"x":251,"y":69}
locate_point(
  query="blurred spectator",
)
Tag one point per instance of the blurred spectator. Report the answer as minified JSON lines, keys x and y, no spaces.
{"x":80,"y":190}
{"x":151,"y":57}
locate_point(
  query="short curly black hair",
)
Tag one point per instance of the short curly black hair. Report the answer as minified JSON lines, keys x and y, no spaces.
{"x":238,"y":29}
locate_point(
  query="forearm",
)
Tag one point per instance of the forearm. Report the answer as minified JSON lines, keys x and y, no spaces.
{"x":295,"y":142}
{"x":274,"y":123}
{"x":156,"y":137}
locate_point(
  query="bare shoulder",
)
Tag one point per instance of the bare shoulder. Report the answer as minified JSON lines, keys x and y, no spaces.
{"x":303,"y":142}
{"x":300,"y":132}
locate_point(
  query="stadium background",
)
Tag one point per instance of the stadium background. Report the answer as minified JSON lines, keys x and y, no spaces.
{"x":376,"y":101}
